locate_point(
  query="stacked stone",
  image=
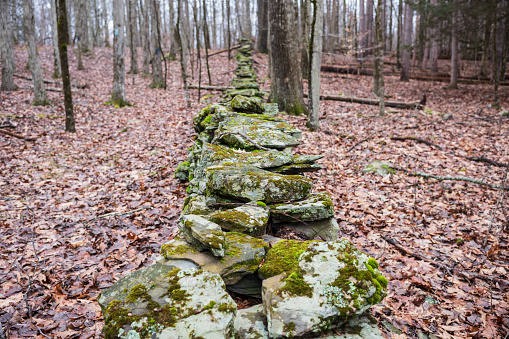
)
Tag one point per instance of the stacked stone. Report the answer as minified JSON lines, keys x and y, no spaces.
{"x":244,"y":179}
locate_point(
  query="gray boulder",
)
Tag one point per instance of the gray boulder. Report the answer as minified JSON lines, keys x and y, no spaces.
{"x":159,"y":301}
{"x":333,"y":279}
{"x":249,"y":183}
{"x":202,"y":234}
{"x":249,"y":218}
{"x":263,"y":136}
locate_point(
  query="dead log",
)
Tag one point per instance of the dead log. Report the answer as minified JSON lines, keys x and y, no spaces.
{"x":224,"y":50}
{"x":210,"y":88}
{"x":16,"y":135}
{"x":375,"y":102}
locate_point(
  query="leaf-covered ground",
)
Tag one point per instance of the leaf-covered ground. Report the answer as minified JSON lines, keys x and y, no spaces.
{"x":90,"y":207}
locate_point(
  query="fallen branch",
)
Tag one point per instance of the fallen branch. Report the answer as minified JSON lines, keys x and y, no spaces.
{"x":46,"y":81}
{"x":373,"y":102}
{"x":242,"y":135}
{"x":209,"y":88}
{"x":17,"y":135}
{"x":488,"y":161}
{"x":441,"y":178}
{"x":468,"y":276}
{"x":224,"y":50}
{"x":422,"y":141}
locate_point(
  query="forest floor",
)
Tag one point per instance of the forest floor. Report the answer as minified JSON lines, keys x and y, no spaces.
{"x":80,"y":211}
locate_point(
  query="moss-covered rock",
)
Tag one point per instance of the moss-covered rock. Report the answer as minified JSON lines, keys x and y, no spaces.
{"x":250,"y":323}
{"x":333,"y":279}
{"x":182,"y":171}
{"x":202,"y":234}
{"x":317,"y":206}
{"x":248,"y":121}
{"x":241,"y":103}
{"x":262,"y":136}
{"x":249,"y":183}
{"x":327,"y":229}
{"x":197,"y":205}
{"x":307,"y":159}
{"x":157,"y":300}
{"x":250,"y":219}
{"x":242,"y":257}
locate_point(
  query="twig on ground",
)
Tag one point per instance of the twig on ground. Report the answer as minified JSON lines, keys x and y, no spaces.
{"x":17,"y":135}
{"x":242,"y":135}
{"x":417,"y":140}
{"x":360,"y":142}
{"x":441,"y":178}
{"x":488,"y":161}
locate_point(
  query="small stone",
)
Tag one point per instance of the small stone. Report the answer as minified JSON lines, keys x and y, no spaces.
{"x":197,"y":205}
{"x":504,"y":113}
{"x":250,"y":323}
{"x":317,"y":206}
{"x":248,"y":105}
{"x":202,"y":234}
{"x":250,"y":219}
{"x":382,"y":168}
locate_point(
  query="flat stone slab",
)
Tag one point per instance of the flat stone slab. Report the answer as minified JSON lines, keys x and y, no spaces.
{"x":307,"y":159}
{"x":251,"y":323}
{"x":197,"y":205}
{"x":327,"y":229}
{"x":317,"y":206}
{"x":218,"y":154}
{"x":250,"y":219}
{"x":160,"y":301}
{"x":261,"y":120}
{"x":202,"y":234}
{"x":297,"y":168}
{"x":263,"y":136}
{"x":249,"y":183}
{"x":243,"y":256}
{"x":333,"y":279}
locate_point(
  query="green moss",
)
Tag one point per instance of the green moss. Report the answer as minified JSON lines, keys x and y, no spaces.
{"x":261,"y":203}
{"x":289,"y":327}
{"x":210,"y":306}
{"x":370,"y":269}
{"x":295,"y":285}
{"x":382,"y":280}
{"x":373,"y":263}
{"x":169,"y":250}
{"x":226,"y":308}
{"x":283,"y":257}
{"x":137,"y":292}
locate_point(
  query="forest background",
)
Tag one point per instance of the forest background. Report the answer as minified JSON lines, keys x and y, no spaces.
{"x":84,"y":206}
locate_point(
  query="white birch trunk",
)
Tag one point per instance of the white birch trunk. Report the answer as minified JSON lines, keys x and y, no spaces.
{"x":315,"y":60}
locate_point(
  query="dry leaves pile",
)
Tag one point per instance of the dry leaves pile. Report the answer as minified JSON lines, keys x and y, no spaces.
{"x":101,"y":202}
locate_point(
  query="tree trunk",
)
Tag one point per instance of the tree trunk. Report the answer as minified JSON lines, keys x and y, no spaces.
{"x":63,"y":38}
{"x":171,"y":23}
{"x":263,"y":17}
{"x":183,"y":61}
{"x":454,"y":47}
{"x":379,"y":85}
{"x":56,"y":55}
{"x":105,"y":19}
{"x":146,"y":41}
{"x":495,"y":72}
{"x":132,"y":23}
{"x":79,"y":16}
{"x":286,"y":88}
{"x":206,"y":35}
{"x":40,"y":97}
{"x":400,"y":33}
{"x":369,"y":26}
{"x":155,"y":44}
{"x":118,"y":95}
{"x":434,"y":45}
{"x":249,"y":26}
{"x":362,"y":31}
{"x":315,"y":59}
{"x":305,"y":49}
{"x":407,"y":42}
{"x":6,"y":48}
{"x":228,"y":34}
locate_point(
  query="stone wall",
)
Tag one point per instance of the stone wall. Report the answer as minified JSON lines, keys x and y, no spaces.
{"x":244,"y":181}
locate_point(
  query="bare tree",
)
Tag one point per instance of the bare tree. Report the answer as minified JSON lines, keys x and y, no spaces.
{"x":286,"y":88}
{"x":132,"y":23}
{"x":434,"y":45}
{"x":183,"y":61}
{"x":118,"y":94}
{"x":315,"y":60}
{"x":155,"y":44}
{"x":105,"y":19}
{"x":56,"y":60}
{"x":407,"y":43}
{"x":305,"y":9}
{"x":6,"y":48}
{"x":40,"y":97}
{"x":145,"y":39}
{"x":454,"y":47}
{"x":62,"y":39}
{"x":263,"y":29}
{"x":206,"y":36}
{"x":379,"y":83}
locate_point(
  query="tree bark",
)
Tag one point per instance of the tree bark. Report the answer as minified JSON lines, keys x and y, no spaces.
{"x":263,"y":17}
{"x":362,"y":31}
{"x":407,"y":42}
{"x":146,"y":40}
{"x":379,"y":83}
{"x":434,"y":45}
{"x":155,"y":44}
{"x":369,"y":26}
{"x":249,"y":27}
{"x":105,"y":19}
{"x":206,"y":35}
{"x":6,"y":48}
{"x":62,"y":39}
{"x":40,"y":97}
{"x":56,"y":54}
{"x":183,"y":61}
{"x":132,"y":23}
{"x":315,"y":60}
{"x":305,"y":48}
{"x":118,"y":95}
{"x":286,"y":88}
